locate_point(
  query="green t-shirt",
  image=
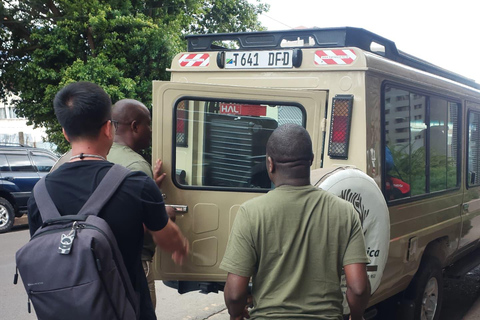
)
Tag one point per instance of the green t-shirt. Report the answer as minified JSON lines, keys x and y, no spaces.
{"x":294,"y":242}
{"x":128,"y":158}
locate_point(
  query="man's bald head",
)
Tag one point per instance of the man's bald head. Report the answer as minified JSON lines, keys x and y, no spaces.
{"x":134,"y":120}
{"x":290,"y":149}
{"x":127,"y":110}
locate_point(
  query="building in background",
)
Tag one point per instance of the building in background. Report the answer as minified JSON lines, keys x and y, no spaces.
{"x":14,"y":129}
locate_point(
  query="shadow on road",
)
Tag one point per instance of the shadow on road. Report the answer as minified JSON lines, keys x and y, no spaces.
{"x":460,"y":294}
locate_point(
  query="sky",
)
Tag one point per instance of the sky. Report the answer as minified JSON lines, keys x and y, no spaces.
{"x":445,"y":33}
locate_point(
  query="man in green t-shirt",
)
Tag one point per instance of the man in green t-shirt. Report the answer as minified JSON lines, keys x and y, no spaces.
{"x":294,"y":242}
{"x":134,"y":134}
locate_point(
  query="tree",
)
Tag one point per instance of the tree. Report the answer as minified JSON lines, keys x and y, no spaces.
{"x":227,"y":16}
{"x":120,"y":45}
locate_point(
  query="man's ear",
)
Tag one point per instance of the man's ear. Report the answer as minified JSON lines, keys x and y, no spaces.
{"x":108,"y":130}
{"x":65,"y":134}
{"x":134,"y":125}
{"x":270,"y":165}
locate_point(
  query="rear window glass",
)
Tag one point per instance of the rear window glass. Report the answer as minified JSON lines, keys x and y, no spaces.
{"x":221,"y":144}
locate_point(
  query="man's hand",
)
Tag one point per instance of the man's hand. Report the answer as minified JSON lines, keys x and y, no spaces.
{"x":245,"y":314}
{"x":158,"y":176}
{"x":179,"y":256}
{"x":171,"y":239}
{"x":171,"y":213}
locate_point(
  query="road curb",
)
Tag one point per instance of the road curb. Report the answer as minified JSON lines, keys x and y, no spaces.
{"x":23,"y":220}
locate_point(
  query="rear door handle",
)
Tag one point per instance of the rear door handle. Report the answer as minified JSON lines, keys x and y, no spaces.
{"x":178,"y":208}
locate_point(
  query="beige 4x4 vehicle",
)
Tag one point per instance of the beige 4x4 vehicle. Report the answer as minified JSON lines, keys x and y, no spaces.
{"x":395,"y":135}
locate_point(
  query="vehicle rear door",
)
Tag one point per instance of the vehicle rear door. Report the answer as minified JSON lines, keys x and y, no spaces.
{"x":212,"y":142}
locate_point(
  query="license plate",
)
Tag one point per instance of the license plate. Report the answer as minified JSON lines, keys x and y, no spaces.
{"x":258,"y":59}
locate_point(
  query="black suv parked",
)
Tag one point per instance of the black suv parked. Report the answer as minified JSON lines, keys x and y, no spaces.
{"x":20,"y":168}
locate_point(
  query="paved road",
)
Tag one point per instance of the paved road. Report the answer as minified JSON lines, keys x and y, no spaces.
{"x":460,"y":294}
{"x":170,"y":304}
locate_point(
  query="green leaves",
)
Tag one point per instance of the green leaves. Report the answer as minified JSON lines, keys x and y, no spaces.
{"x":224,"y":16}
{"x":120,"y":45}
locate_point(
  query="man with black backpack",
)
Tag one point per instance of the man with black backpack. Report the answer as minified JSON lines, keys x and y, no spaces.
{"x":84,"y":112}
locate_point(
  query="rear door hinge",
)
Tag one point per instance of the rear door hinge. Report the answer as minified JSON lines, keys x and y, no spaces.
{"x":323,"y":124}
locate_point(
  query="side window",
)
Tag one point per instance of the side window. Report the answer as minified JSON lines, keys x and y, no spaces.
{"x":42,"y":161}
{"x":473,"y":148}
{"x":19,"y":163}
{"x":404,"y":143}
{"x":417,"y":143}
{"x":421,"y":139}
{"x":453,"y":145}
{"x":221,"y":144}
{"x":443,"y":144}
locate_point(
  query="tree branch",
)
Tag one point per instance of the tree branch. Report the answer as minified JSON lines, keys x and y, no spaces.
{"x":53,"y":8}
{"x":91,"y":43}
{"x":17,"y":28}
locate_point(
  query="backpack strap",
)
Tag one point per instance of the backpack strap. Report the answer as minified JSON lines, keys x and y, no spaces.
{"x":104,"y":191}
{"x":44,"y":202}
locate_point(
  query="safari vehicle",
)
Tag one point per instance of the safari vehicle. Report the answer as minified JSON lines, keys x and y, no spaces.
{"x":395,"y":135}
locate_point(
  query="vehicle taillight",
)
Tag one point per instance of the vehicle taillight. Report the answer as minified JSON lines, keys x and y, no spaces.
{"x":340,"y":126}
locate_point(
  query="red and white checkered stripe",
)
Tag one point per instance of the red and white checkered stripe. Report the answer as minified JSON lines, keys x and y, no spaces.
{"x":337,"y":56}
{"x":194,"y":60}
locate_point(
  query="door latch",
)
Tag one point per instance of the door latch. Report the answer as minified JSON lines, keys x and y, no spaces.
{"x":178,"y":208}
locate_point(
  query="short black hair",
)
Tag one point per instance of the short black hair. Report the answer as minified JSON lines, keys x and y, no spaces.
{"x":290,"y":147}
{"x":82,"y":108}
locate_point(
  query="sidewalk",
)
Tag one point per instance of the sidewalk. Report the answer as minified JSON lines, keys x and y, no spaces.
{"x":222,"y":315}
{"x":472,"y":314}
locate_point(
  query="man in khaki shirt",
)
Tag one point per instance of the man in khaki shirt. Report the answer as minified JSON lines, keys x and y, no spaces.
{"x":134,"y":134}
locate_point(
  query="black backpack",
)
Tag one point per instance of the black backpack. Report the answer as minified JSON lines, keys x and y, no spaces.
{"x":71,"y":267}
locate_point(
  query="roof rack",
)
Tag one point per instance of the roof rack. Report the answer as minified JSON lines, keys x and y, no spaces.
{"x":323,"y":38}
{"x":11,"y":144}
